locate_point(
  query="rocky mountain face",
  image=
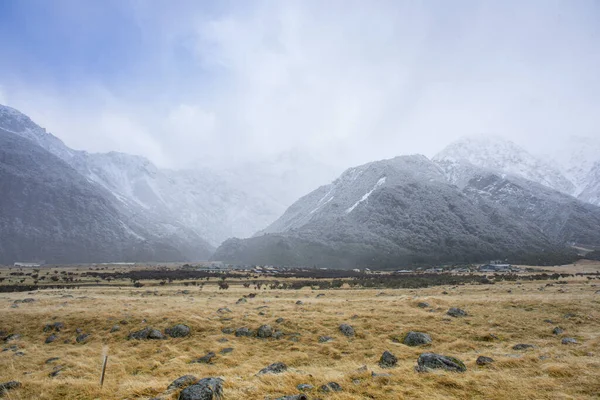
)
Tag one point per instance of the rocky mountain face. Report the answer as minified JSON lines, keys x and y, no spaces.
{"x":207,"y":204}
{"x":405,"y":210}
{"x":48,"y":211}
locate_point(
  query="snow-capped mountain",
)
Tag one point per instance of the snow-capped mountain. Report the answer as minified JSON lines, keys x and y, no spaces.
{"x":405,"y":210}
{"x":502,"y":156}
{"x":202,"y":201}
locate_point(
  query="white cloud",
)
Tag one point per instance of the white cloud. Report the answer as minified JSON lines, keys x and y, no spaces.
{"x":346,"y":82}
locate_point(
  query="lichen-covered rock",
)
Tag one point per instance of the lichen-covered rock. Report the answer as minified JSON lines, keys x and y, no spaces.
{"x":325,"y":339}
{"x":51,"y":338}
{"x":416,"y":339}
{"x":275,"y":368}
{"x":388,"y":360}
{"x":204,"y":389}
{"x":347,"y":330}
{"x":305,"y":387}
{"x":178,"y":331}
{"x":430,"y":361}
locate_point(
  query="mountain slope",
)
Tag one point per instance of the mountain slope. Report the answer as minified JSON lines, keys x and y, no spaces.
{"x":389,"y":213}
{"x":203,"y":202}
{"x":503,"y":156}
{"x":49,"y":211}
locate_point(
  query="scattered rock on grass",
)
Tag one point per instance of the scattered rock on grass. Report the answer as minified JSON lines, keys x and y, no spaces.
{"x":456,"y":312}
{"x":388,"y":360}
{"x":275,"y":368}
{"x":325,"y":339}
{"x":416,"y":339}
{"x":305,"y":387}
{"x":115,"y":328}
{"x":568,"y":340}
{"x":265,"y":331}
{"x":331,"y":387}
{"x":243,"y":332}
{"x":430,"y":361}
{"x":206,"y":359}
{"x":178,"y":331}
{"x":204,"y":389}
{"x":347,"y":330}
{"x":423,"y":305}
{"x":522,"y":346}
{"x":51,"y":360}
{"x":482,"y":360}
{"x":6,"y":386}
{"x":557,"y":331}
{"x":82,"y":338}
{"x":146,"y":333}
{"x":51,"y":338}
{"x":293,"y":397}
{"x":182,"y":382}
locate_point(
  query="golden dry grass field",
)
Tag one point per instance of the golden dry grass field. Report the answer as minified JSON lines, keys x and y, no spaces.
{"x":499,"y":316}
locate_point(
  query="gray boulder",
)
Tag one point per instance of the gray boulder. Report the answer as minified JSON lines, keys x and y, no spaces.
{"x":557,"y":331}
{"x":347,"y":330}
{"x":243,"y":332}
{"x":430,"y":361}
{"x":6,"y":386}
{"x":206,"y":359}
{"x":522,"y":346}
{"x":275,"y":368}
{"x":279,"y":320}
{"x":204,"y":389}
{"x":416,"y":339}
{"x":146,"y":333}
{"x":178,"y":331}
{"x":568,"y":340}
{"x":423,"y":305}
{"x":51,"y":338}
{"x":182,"y":382}
{"x":331,"y":387}
{"x":388,"y":360}
{"x":482,"y":360}
{"x":82,"y":338}
{"x":325,"y":339}
{"x":456,"y":312}
{"x":265,"y":331}
{"x":305,"y":387}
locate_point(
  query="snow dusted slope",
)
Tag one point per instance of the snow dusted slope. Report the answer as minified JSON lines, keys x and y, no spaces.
{"x":502,"y":156}
{"x":199,"y":202}
{"x":591,"y":186}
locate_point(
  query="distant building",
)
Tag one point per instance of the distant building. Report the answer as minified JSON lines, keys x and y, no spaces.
{"x":496,"y":268}
{"x":28,"y":264}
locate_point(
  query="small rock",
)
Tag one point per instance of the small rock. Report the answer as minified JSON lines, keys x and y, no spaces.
{"x":557,"y":331}
{"x":568,"y":340}
{"x":182,"y":382}
{"x":6,"y":386}
{"x":243,"y":332}
{"x":115,"y":328}
{"x":305,"y":387}
{"x":82,"y":338}
{"x":265,"y":331}
{"x":178,"y":331}
{"x":275,"y":368}
{"x":12,"y":337}
{"x":423,"y":305}
{"x":347,"y":330}
{"x":429,"y":361}
{"x":227,"y":330}
{"x":320,"y":295}
{"x":78,"y":330}
{"x":416,"y":339}
{"x":223,"y":310}
{"x":293,"y":397}
{"x":204,"y":389}
{"x":522,"y":346}
{"x":279,"y":320}
{"x":299,"y":303}
{"x":456,"y":312}
{"x":146,"y":333}
{"x":222,"y":340}
{"x":51,"y":338}
{"x":241,"y":301}
{"x":325,"y":339}
{"x":331,"y":387}
{"x":226,"y":350}
{"x":51,"y":360}
{"x":206,"y":359}
{"x":56,"y":370}
{"x":482,"y":360}
{"x":388,"y":360}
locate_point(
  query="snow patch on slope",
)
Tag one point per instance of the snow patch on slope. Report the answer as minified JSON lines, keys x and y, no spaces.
{"x":366,"y":195}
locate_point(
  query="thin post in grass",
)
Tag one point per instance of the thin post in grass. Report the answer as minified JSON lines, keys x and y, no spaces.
{"x":104,"y":366}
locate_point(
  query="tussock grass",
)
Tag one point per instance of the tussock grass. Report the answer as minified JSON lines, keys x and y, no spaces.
{"x":143,"y":369}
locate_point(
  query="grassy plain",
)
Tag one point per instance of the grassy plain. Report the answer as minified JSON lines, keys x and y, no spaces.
{"x":500,"y":316}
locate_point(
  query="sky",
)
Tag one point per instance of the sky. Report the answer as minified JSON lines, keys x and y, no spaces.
{"x":188,"y":83}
